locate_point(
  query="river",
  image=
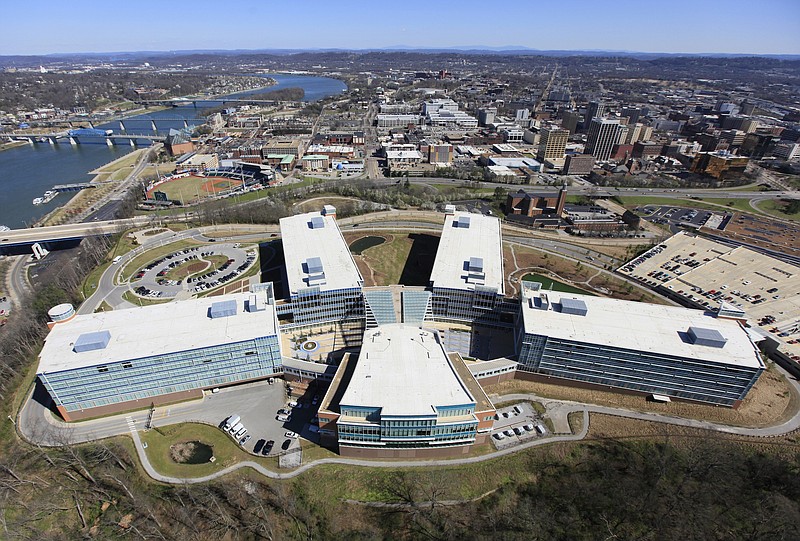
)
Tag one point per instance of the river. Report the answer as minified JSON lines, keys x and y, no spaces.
{"x":28,"y":171}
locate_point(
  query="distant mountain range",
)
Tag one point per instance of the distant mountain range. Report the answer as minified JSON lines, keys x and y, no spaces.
{"x":469,"y":50}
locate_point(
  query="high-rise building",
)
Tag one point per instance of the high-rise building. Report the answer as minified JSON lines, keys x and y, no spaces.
{"x":552,"y":144}
{"x":486,"y":115}
{"x":570,"y":121}
{"x":595,"y":109}
{"x":632,"y":114}
{"x":603,"y":135}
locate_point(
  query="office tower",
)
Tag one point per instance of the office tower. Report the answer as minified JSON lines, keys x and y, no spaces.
{"x":603,"y":135}
{"x":570,"y":121}
{"x":595,"y":109}
{"x":552,"y":144}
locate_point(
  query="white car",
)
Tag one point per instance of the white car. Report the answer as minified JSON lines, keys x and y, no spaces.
{"x":499,"y":436}
{"x":291,"y":434}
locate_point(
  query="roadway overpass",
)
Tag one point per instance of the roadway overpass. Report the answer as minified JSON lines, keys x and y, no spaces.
{"x":18,"y":241}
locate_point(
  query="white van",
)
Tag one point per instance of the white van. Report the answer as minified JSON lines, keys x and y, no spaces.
{"x":116,"y":260}
{"x":241,"y":433}
{"x":236,"y":428}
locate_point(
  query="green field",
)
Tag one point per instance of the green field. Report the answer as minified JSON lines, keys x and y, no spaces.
{"x":776,"y":208}
{"x":555,"y":285}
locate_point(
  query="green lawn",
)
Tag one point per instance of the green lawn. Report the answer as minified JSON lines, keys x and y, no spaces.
{"x":774,"y":207}
{"x":707,"y":203}
{"x":555,"y":285}
{"x":133,"y":298}
{"x":226,"y":451}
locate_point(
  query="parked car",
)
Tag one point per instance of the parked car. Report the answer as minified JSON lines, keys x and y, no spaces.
{"x":267,"y":449}
{"x":286,"y":444}
{"x":244,"y":440}
{"x":290,"y":434}
{"x":499,"y":436}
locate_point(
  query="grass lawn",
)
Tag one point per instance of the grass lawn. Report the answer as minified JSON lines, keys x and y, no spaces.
{"x":775,"y":207}
{"x":387,"y":260}
{"x":555,"y":285}
{"x":226,"y":451}
{"x":708,"y":203}
{"x":93,"y":279}
{"x":133,"y":298}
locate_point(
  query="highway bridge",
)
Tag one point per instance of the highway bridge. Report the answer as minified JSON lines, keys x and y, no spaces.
{"x":55,"y":138}
{"x":19,"y":241}
{"x":206,"y":102}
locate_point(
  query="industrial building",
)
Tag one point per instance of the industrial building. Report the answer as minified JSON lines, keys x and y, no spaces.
{"x":108,"y":362}
{"x":324,"y":282}
{"x":634,"y":346}
{"x":467,"y":279}
{"x":404,"y":396}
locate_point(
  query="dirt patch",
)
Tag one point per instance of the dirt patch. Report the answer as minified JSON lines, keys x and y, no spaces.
{"x":769,"y":402}
{"x":191,"y":452}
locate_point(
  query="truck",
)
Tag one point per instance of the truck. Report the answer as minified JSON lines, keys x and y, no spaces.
{"x":230,"y":421}
{"x":236,"y":428}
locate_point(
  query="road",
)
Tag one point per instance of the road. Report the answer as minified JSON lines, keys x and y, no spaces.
{"x":38,"y":425}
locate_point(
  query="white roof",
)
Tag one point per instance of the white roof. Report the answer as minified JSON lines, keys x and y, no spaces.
{"x":637,"y":326}
{"x":458,"y":245}
{"x":400,"y":154}
{"x":154,"y":330}
{"x":404,"y":370}
{"x":301,"y":243}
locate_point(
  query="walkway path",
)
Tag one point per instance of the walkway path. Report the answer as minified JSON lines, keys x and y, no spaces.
{"x":37,"y":424}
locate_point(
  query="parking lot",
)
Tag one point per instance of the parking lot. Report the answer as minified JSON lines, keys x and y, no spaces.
{"x":517,"y":424}
{"x":152,"y":279}
{"x":256,"y":404}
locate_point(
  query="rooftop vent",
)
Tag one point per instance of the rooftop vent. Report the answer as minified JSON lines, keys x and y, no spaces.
{"x":462,"y":222}
{"x":255,"y":303}
{"x":329,"y":210}
{"x":314,"y":270}
{"x":317,"y":222}
{"x":91,"y":341}
{"x":575,"y":307}
{"x":222,"y":309}
{"x":476,"y":264}
{"x":707,"y":337}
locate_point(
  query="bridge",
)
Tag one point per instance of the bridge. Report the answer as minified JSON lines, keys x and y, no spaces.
{"x":54,"y":138}
{"x":17,"y":241}
{"x":93,"y":122}
{"x":208,"y":102}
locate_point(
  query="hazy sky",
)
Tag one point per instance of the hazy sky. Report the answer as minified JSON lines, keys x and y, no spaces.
{"x":689,"y":26}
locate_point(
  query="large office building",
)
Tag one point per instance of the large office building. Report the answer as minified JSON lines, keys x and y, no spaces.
{"x":603,"y":135}
{"x":404,"y":396}
{"x":467,"y":279}
{"x":324,"y":282}
{"x":553,"y":145}
{"x":108,"y":362}
{"x":643,"y":348}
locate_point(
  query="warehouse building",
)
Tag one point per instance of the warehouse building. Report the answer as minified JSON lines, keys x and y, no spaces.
{"x":121,"y":360}
{"x":639,"y":347}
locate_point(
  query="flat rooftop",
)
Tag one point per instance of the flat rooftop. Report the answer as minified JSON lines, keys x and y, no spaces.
{"x":635,"y":326}
{"x":315,"y":238}
{"x":156,"y":330}
{"x":470,"y":253}
{"x":404,"y":370}
{"x":708,"y":272}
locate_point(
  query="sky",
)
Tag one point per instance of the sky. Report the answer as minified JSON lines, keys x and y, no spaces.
{"x":672,"y":26}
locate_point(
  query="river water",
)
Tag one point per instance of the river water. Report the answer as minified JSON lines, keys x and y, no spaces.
{"x":28,"y":171}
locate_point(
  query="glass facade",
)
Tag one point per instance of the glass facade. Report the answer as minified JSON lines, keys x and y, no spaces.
{"x":643,"y":371}
{"x":147,"y":377}
{"x":310,"y":305}
{"x":482,"y":305}
{"x":408,"y":431}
